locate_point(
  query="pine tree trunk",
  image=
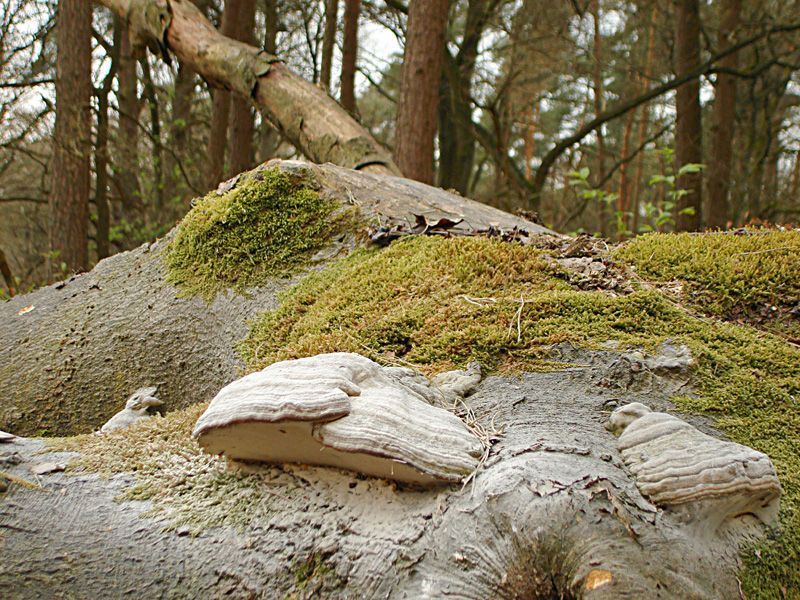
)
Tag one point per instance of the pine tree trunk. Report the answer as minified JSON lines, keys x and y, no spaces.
{"x":689,"y":126}
{"x":724,"y":121}
{"x":328,"y":43}
{"x":69,"y":193}
{"x":419,"y":88}
{"x":644,"y":125}
{"x":221,"y":107}
{"x":128,"y":128}
{"x":242,"y":125}
{"x":347,"y":93}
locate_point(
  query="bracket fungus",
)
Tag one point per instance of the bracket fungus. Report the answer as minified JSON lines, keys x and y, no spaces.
{"x":710,"y":481}
{"x":136,"y":408}
{"x":340,"y":410}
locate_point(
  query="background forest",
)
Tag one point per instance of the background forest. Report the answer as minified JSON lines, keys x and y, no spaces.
{"x":605,"y":116}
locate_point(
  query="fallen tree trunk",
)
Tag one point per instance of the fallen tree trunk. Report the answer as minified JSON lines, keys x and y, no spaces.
{"x":304,"y":113}
{"x":551,"y":514}
{"x":71,"y":353}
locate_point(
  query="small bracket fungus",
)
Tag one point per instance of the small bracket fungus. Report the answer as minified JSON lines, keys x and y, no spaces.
{"x":340,"y":410}
{"x":6,"y":438}
{"x":678,"y":467}
{"x":136,"y":408}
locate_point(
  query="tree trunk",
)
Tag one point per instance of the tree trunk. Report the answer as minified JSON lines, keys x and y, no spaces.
{"x":221,"y":107}
{"x":8,"y":277}
{"x":270,"y":137}
{"x":724,"y":121}
{"x":415,"y":128}
{"x":179,"y":129}
{"x":304,"y":114}
{"x":597,"y":98}
{"x":689,"y":126}
{"x":69,"y":192}
{"x":128,"y":128}
{"x":329,"y":43}
{"x":347,"y":91}
{"x":101,"y":154}
{"x":155,"y":135}
{"x":242,"y":124}
{"x":645,"y":120}
{"x":456,"y":136}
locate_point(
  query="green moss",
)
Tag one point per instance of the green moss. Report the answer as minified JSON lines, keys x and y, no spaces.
{"x":755,"y":277}
{"x":185,"y":485}
{"x":314,"y":568}
{"x":267,"y":226}
{"x":437,"y":303}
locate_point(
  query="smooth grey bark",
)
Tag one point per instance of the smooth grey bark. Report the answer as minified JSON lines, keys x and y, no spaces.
{"x":552,"y":504}
{"x":94,"y":339}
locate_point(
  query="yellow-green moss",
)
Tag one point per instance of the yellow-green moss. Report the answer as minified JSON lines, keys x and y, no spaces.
{"x":753,"y":277}
{"x":185,"y":485}
{"x":437,"y":303}
{"x":266,"y":226}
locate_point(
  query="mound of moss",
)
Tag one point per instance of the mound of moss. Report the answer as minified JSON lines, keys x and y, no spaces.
{"x":752,"y":277}
{"x":435,"y":304}
{"x":266,"y":226}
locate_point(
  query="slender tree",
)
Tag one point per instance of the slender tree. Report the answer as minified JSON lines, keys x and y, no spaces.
{"x":127,"y":163}
{"x":242,"y":124}
{"x":69,"y":192}
{"x":689,"y":125}
{"x":352,"y":11}
{"x":328,"y":43}
{"x":723,"y":120}
{"x":419,"y":88}
{"x":221,"y":107}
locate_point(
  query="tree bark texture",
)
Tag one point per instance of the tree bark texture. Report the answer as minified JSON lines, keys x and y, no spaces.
{"x":415,"y":127}
{"x":221,"y":108}
{"x":242,"y":123}
{"x":69,"y":192}
{"x":128,"y":127}
{"x":347,"y":87}
{"x":101,"y":336}
{"x":456,"y":138}
{"x":552,"y":513}
{"x":723,"y":122}
{"x":328,"y":43}
{"x":689,"y":124}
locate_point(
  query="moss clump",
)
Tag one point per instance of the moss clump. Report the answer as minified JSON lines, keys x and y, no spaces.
{"x":186,"y":486}
{"x":266,"y":226}
{"x":437,"y":303}
{"x":755,"y":278}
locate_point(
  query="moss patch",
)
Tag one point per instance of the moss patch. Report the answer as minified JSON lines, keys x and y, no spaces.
{"x":266,"y":226}
{"x":437,"y":303}
{"x":186,"y":486}
{"x":754,"y":278}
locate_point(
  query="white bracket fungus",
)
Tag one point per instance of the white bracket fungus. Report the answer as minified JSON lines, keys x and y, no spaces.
{"x":678,"y":467}
{"x":136,"y":408}
{"x":340,"y":410}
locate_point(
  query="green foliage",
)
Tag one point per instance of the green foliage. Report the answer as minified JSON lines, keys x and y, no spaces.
{"x":659,"y":217}
{"x":267,"y":226}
